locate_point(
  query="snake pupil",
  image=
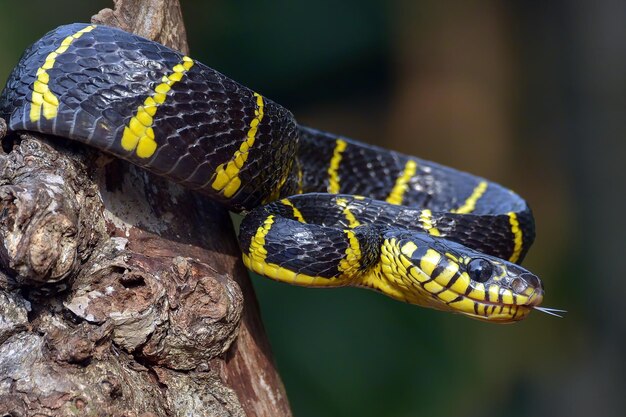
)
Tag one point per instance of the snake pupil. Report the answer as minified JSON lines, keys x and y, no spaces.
{"x":479,"y":270}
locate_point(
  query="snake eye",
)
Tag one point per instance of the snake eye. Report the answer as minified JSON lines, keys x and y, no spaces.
{"x":479,"y":270}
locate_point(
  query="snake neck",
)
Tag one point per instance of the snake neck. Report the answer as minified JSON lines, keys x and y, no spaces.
{"x":387,"y":273}
{"x":369,"y":239}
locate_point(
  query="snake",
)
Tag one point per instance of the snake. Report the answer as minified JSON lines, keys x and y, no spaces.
{"x":321,"y":210}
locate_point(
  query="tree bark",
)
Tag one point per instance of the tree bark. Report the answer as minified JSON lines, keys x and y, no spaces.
{"x":123,"y":294}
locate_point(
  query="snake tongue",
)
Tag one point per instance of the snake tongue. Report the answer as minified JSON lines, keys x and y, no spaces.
{"x":551,"y":311}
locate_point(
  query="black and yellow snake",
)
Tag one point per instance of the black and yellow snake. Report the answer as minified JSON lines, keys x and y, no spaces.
{"x":424,"y":233}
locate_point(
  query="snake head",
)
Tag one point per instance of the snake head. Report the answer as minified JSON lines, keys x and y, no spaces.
{"x":508,"y":291}
{"x":447,"y":276}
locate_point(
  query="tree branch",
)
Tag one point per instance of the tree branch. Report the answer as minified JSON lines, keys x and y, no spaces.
{"x":151,"y":321}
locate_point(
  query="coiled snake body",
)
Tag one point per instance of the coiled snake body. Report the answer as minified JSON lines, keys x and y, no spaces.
{"x":340,"y":212}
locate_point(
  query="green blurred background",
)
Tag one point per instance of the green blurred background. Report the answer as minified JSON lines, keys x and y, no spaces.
{"x":527,"y":93}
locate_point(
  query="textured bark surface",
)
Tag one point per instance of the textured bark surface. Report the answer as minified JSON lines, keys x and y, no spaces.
{"x":121,"y":293}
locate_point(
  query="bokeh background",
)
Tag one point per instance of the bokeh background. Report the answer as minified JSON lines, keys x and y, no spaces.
{"x":527,"y":93}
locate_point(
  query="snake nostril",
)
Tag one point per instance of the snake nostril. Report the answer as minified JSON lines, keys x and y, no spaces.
{"x":531,"y":280}
{"x":518,"y":285}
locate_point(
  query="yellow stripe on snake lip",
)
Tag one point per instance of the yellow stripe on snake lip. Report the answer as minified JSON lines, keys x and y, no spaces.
{"x":333,"y":176}
{"x":138,"y":135}
{"x":402,"y":183}
{"x":42,"y":98}
{"x":227,"y":175}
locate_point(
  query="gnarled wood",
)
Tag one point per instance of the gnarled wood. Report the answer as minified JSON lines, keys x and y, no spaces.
{"x":122,"y":293}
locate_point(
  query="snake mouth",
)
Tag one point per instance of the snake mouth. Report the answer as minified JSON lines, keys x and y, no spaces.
{"x":502,"y":312}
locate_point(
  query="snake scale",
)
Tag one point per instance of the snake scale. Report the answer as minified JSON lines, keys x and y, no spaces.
{"x":322,"y":210}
